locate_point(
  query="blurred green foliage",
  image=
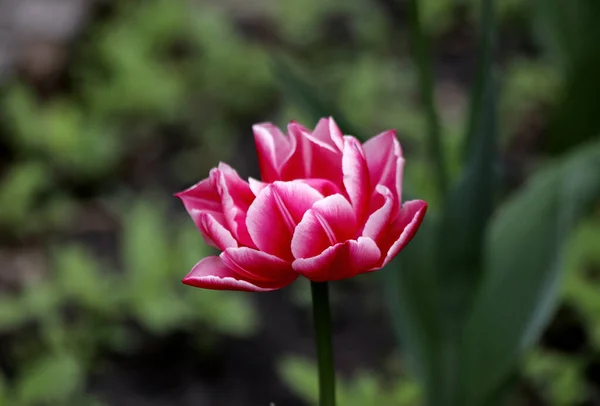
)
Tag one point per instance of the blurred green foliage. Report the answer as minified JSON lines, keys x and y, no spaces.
{"x":187,"y":65}
{"x":466,"y":327}
{"x":364,"y":388}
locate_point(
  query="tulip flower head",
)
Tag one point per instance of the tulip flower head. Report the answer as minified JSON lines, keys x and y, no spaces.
{"x":327,"y":208}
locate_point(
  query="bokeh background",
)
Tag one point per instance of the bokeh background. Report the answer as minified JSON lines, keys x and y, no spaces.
{"x":109,"y":107}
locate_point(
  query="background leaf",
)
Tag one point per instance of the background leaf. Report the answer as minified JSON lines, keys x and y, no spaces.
{"x":523,"y":258}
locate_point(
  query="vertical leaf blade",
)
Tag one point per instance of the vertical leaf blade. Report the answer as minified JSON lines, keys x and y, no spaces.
{"x":523,"y":258}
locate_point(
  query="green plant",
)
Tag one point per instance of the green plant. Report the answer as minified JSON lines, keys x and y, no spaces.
{"x":466,"y":313}
{"x":362,"y":389}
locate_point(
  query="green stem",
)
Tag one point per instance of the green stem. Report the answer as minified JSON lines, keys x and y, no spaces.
{"x":322,"y":321}
{"x":421,"y":55}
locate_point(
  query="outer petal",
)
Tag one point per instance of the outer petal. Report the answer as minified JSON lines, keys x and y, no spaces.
{"x":402,"y":230}
{"x":384,"y":157}
{"x":328,"y":132}
{"x":356,"y":176}
{"x":236,"y":198}
{"x":212,"y":273}
{"x":259,"y":266}
{"x":273,"y":149}
{"x":312,"y":158}
{"x":341,"y":261}
{"x":214,"y":233}
{"x":202,"y":197}
{"x":380,"y":220}
{"x":330,"y":221}
{"x":274,"y":214}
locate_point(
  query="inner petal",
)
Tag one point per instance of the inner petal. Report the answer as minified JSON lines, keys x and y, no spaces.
{"x":274,"y":214}
{"x":330,"y":221}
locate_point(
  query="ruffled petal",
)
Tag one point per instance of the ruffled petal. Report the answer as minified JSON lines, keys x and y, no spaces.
{"x":312,"y":158}
{"x":273,"y":149}
{"x":330,"y":221}
{"x":274,"y":214}
{"x":236,"y":198}
{"x":202,"y":197}
{"x":328,"y":132}
{"x":212,"y":273}
{"x":323,"y":186}
{"x":214,"y":233}
{"x":385,"y":161}
{"x":256,"y":186}
{"x":356,"y":177}
{"x":341,"y":261}
{"x":380,"y":220}
{"x":402,"y":230}
{"x":259,"y":266}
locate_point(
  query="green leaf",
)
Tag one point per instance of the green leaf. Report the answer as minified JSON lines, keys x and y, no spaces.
{"x":52,"y":380}
{"x":409,"y":284}
{"x":147,"y":255}
{"x":20,"y":189}
{"x":523,"y":260}
{"x":465,"y":215}
{"x":80,"y":278}
{"x":4,"y":396}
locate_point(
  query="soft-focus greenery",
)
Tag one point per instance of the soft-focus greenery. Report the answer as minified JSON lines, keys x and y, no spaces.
{"x":362,"y":389}
{"x":160,"y":90}
{"x":479,"y":283}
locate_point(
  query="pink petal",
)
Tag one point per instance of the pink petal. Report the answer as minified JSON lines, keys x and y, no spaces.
{"x":259,"y":266}
{"x":256,"y":186}
{"x":403,"y":229}
{"x":273,"y":149}
{"x":236,"y":198}
{"x":212,"y":273}
{"x":202,"y":197}
{"x":341,"y":261}
{"x":328,"y":132}
{"x":356,"y":176}
{"x":214,"y":233}
{"x":323,"y":186}
{"x":311,"y":158}
{"x":275,"y":213}
{"x":329,"y":221}
{"x":380,"y":220}
{"x":384,"y":157}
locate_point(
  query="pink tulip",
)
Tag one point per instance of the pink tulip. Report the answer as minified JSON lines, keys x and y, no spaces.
{"x":328,"y":208}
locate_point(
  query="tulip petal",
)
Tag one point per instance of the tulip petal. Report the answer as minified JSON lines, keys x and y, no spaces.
{"x":312,"y":158}
{"x":236,"y":198}
{"x":256,"y":186}
{"x":212,"y":273}
{"x":330,"y":221}
{"x":385,"y":161}
{"x":381,"y":218}
{"x":202,"y":197}
{"x":341,"y":261}
{"x":259,"y":266}
{"x":323,"y":186}
{"x":274,"y":214}
{"x":356,"y":176}
{"x":214,"y":233}
{"x":403,"y":229}
{"x":273,"y":149}
{"x":328,"y":132}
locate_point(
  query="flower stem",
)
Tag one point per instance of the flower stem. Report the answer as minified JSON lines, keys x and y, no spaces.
{"x":322,"y":321}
